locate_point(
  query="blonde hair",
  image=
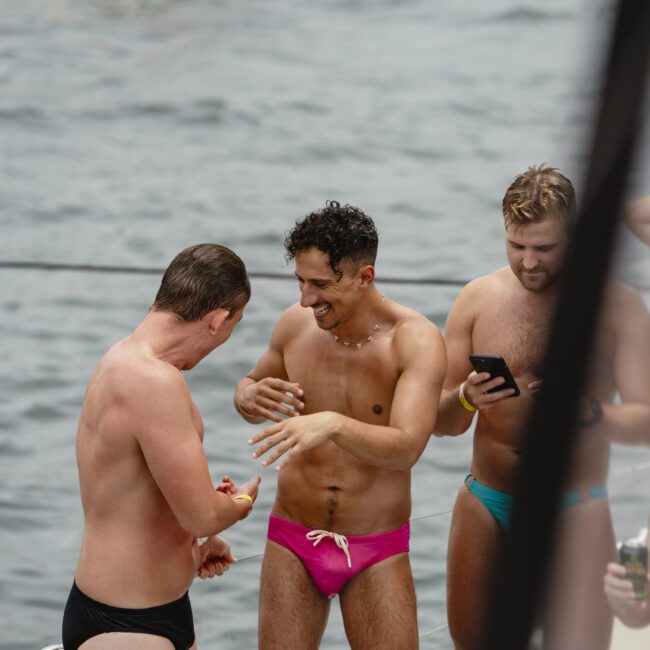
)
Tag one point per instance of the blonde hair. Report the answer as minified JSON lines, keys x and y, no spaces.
{"x":537,"y":193}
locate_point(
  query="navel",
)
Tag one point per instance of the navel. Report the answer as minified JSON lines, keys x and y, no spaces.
{"x":377,"y":409}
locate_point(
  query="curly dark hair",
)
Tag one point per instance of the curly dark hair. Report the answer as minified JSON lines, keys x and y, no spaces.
{"x":345,"y":233}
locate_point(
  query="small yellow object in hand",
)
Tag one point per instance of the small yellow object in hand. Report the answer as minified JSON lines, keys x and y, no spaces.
{"x":246,"y":497}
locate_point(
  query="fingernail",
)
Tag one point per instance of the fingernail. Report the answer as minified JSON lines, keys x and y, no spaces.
{"x":264,"y":464}
{"x":250,"y":442}
{"x":254,"y":454}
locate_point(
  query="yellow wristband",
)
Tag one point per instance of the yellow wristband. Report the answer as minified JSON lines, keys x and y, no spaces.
{"x":463,"y":399}
{"x":246,"y":497}
{"x":239,"y":407}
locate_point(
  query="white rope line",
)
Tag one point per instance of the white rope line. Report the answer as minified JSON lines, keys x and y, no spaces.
{"x":433,"y":514}
{"x":631,"y":469}
{"x":444,"y":626}
{"x":250,"y":557}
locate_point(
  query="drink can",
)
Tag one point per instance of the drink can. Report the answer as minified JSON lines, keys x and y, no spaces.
{"x":634,"y":557}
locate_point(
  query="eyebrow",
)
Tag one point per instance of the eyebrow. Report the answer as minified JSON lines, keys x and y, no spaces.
{"x":516,"y":243}
{"x":313,"y":279}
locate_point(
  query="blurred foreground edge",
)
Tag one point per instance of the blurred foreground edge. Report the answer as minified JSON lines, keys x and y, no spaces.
{"x":549,"y":433}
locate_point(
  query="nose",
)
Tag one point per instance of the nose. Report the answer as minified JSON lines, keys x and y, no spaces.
{"x":308,"y":297}
{"x":529,"y":260}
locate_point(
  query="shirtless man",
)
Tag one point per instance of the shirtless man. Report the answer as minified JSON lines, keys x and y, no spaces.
{"x":145,"y":484}
{"x":363,"y":374}
{"x":509,"y":313}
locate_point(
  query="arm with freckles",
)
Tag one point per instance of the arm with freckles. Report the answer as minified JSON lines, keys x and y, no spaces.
{"x":629,"y":421}
{"x":420,"y":349}
{"x":262,"y":393}
{"x":453,"y":418}
{"x":158,"y":408}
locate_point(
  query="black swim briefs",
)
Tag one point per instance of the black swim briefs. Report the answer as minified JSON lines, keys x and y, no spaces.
{"x":85,"y":618}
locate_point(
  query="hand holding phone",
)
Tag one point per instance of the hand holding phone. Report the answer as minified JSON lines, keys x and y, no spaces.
{"x":497,"y":367}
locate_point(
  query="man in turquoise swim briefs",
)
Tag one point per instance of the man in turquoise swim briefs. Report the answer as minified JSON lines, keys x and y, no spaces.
{"x":363,"y":375}
{"x":509,"y":313}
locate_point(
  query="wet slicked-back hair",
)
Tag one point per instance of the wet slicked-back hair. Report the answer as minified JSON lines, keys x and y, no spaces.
{"x":345,"y":233}
{"x":537,"y":193}
{"x":202,"y":278}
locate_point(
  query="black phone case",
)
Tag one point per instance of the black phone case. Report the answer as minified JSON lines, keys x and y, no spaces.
{"x":497,"y":367}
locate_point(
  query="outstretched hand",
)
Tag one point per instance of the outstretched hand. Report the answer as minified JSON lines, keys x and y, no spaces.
{"x":250,"y":489}
{"x":227,"y":486}
{"x":294,"y":435}
{"x":215,"y":557}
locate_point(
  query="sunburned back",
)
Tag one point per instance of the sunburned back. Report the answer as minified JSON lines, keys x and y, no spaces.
{"x":345,"y":494}
{"x":134,"y":552}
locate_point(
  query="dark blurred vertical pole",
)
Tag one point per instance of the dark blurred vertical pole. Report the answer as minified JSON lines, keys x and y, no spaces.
{"x":549,"y":434}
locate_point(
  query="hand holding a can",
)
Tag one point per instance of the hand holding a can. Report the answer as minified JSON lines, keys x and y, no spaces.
{"x":620,"y":589}
{"x":626,"y":584}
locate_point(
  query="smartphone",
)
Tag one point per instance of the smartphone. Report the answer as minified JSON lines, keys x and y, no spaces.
{"x":497,"y":367}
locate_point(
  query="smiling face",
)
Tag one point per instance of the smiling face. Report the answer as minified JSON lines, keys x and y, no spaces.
{"x":332,"y":298}
{"x":537,"y":251}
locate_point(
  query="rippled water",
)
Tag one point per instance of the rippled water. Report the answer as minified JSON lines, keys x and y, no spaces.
{"x":132,"y":129}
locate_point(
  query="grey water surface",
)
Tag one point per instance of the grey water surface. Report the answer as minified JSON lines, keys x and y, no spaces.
{"x":131,"y":129}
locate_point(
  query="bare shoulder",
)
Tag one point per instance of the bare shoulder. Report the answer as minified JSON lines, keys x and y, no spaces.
{"x":414,"y":332}
{"x":410,"y":321}
{"x":137,"y":379}
{"x":622,"y":300}
{"x":485,"y":288}
{"x":290,"y":323}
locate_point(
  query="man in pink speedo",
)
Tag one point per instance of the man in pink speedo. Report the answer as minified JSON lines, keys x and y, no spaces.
{"x":364,"y":375}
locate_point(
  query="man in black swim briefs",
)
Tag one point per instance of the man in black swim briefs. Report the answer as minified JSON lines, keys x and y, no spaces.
{"x":145,"y":484}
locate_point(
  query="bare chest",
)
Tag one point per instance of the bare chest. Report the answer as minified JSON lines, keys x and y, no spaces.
{"x":357,"y":383}
{"x":517,"y":330}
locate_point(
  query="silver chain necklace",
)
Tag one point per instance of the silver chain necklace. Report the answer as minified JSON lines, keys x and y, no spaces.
{"x":369,"y":339}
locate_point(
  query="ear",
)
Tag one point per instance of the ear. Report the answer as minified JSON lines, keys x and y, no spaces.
{"x":216,"y":318}
{"x":367,"y":275}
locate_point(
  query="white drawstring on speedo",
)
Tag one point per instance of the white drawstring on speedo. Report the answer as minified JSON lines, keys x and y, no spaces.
{"x":340,"y":540}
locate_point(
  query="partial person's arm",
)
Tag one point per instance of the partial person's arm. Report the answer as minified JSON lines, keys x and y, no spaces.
{"x":262,"y":393}
{"x":215,"y":557}
{"x":160,"y":412}
{"x":620,"y":594}
{"x":420,"y":349}
{"x":637,"y":217}
{"x":464,"y":391}
{"x":629,"y":422}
